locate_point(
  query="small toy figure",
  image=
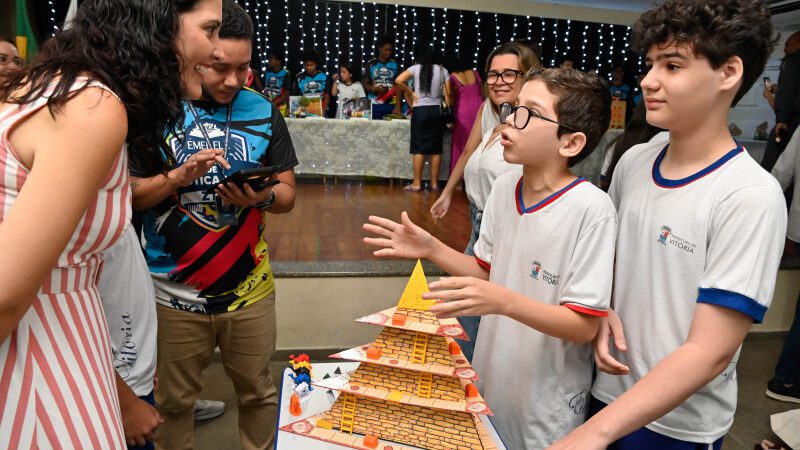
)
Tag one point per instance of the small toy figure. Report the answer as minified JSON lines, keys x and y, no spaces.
{"x":302,"y":374}
{"x":294,"y":405}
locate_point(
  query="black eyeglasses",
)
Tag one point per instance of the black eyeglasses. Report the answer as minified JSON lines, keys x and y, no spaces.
{"x":508,"y":76}
{"x":520,"y":121}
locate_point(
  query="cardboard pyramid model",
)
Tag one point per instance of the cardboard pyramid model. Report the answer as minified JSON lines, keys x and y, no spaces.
{"x":413,"y":386}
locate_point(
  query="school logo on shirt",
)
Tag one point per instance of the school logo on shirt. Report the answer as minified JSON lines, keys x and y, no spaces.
{"x":537,"y":267}
{"x":669,"y":239}
{"x":548,"y":277}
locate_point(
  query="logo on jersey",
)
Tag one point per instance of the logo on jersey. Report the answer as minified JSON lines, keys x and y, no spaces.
{"x":669,"y":239}
{"x":537,"y":267}
{"x":383,"y":76}
{"x":313,"y":88}
{"x":538,"y":272}
{"x":662,"y":237}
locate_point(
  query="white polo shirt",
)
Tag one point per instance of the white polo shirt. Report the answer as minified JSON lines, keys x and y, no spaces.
{"x":559,"y":252}
{"x":715,"y":237}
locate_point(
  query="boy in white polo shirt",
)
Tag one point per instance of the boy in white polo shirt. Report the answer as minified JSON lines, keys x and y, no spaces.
{"x":701,"y":229}
{"x":546,"y":247}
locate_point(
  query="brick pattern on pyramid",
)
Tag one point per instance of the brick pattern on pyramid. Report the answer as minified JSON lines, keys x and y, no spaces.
{"x":413,"y":385}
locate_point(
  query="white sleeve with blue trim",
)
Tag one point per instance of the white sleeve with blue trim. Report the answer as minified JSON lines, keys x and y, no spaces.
{"x":744,"y":250}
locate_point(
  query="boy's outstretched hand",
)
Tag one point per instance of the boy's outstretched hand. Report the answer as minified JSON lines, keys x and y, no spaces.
{"x":404,"y":239}
{"x":466,"y":296}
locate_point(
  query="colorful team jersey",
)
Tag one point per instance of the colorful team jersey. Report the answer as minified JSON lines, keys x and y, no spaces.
{"x":198,"y":265}
{"x":311,"y":86}
{"x":714,"y":237}
{"x":276,"y":82}
{"x":560,"y":252}
{"x":382,"y":73}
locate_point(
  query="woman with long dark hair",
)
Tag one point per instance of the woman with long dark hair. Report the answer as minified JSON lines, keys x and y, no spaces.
{"x":100,"y":92}
{"x":426,"y":119}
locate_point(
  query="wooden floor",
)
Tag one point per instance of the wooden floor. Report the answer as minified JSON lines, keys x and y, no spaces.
{"x":325,"y":224}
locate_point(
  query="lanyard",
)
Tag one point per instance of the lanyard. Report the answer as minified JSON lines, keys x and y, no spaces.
{"x":205,"y":133}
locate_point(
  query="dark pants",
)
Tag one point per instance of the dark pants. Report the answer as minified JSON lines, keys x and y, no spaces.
{"x":788,"y":368}
{"x":774,"y":149}
{"x":650,"y":440}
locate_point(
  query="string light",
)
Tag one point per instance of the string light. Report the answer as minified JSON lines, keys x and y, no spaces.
{"x":433,"y":29}
{"x":286,"y":33}
{"x":541,"y":39}
{"x":414,"y":38}
{"x":529,"y":36}
{"x":555,"y":43}
{"x":316,"y":21}
{"x":327,"y":21}
{"x":338,"y":35}
{"x":583,"y":47}
{"x":375,"y":28}
{"x":566,"y":38}
{"x":458,"y":36}
{"x":514,"y":30}
{"x":444,"y":35}
{"x":363,"y":33}
{"x":53,"y":17}
{"x":477,"y":35}
{"x":599,"y":50}
{"x":302,"y":28}
{"x":350,"y":33}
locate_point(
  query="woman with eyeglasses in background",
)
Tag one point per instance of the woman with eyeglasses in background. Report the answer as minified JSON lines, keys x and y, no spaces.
{"x":482,"y":161}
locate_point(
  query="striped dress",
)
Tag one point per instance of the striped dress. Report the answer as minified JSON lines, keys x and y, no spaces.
{"x":57,"y":388}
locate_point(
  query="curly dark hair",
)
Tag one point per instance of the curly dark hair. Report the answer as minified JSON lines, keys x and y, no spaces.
{"x":128,"y":45}
{"x":714,"y":29}
{"x":583,"y":103}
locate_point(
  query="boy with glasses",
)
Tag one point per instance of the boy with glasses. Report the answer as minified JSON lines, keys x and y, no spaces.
{"x":542,"y":272}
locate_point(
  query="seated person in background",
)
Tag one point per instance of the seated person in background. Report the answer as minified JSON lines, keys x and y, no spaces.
{"x":380,"y":73}
{"x":278,"y":81}
{"x":547,"y":250}
{"x":311,"y":82}
{"x":345,"y":88}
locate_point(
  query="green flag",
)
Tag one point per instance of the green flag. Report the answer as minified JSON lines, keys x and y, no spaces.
{"x":26,"y":40}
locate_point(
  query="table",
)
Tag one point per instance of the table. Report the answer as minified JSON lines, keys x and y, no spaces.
{"x":357,"y":147}
{"x":319,"y":401}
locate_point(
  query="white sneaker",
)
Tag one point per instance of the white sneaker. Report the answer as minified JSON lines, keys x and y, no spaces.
{"x":208,"y":409}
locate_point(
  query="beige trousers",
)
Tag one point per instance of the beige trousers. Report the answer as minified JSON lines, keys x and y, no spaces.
{"x":186,"y":342}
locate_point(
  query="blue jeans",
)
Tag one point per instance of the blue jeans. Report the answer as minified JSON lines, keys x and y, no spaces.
{"x":650,"y":440}
{"x":788,"y":368}
{"x":149,"y":398}
{"x":471,"y":323}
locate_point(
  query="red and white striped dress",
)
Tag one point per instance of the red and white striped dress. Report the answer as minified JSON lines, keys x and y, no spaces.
{"x":57,"y":388}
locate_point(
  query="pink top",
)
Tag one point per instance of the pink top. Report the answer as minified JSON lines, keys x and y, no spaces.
{"x":57,"y":387}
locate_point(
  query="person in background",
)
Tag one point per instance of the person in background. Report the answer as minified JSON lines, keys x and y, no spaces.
{"x":619,"y":90}
{"x":482,"y":161}
{"x":99,"y":93}
{"x":278,"y":82}
{"x":426,"y":120}
{"x":462,"y":90}
{"x":253,"y":81}
{"x":345,"y":88}
{"x":786,"y":103}
{"x":10,"y":60}
{"x":380,"y":73}
{"x":785,"y":384}
{"x":567,"y":62}
{"x":311,"y":82}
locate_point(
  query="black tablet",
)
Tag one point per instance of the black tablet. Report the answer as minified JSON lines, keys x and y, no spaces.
{"x":257,"y":178}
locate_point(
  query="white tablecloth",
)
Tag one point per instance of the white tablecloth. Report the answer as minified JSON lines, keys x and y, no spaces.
{"x":340,"y":147}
